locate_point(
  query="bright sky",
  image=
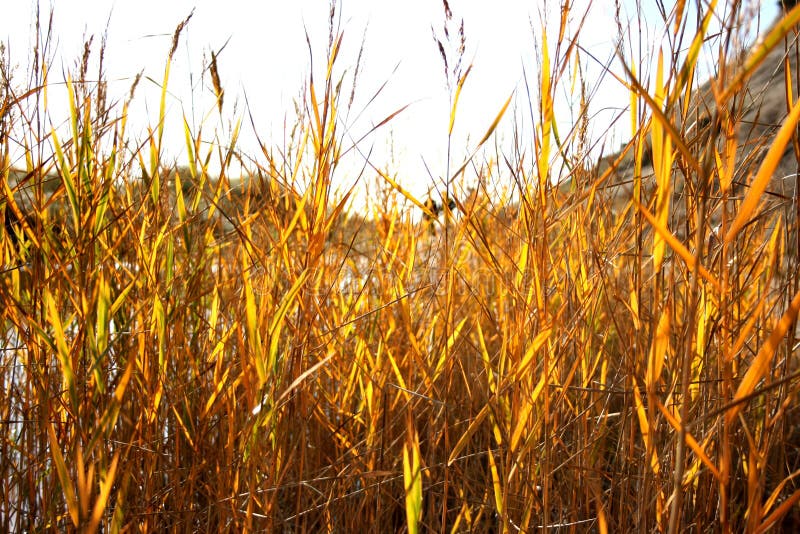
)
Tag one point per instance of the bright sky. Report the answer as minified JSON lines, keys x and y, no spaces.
{"x":266,"y":60}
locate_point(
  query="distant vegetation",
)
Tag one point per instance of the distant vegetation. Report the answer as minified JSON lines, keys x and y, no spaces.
{"x":593,"y":347}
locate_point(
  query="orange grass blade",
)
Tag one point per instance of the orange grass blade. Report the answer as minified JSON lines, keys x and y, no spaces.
{"x":455,"y":99}
{"x":63,"y":475}
{"x":251,"y":324}
{"x":496,"y":484}
{"x":662,"y":165}
{"x":485,"y":138}
{"x":776,"y":493}
{"x":658,"y":350}
{"x":11,"y":204}
{"x":464,"y":439}
{"x":691,"y":442}
{"x":60,"y":340}
{"x":451,"y":340}
{"x":765,"y":172}
{"x":496,"y":121}
{"x":406,"y":194}
{"x":757,"y":56}
{"x":538,"y":341}
{"x":644,"y":427}
{"x":102,"y":498}
{"x":779,"y":512}
{"x":522,"y":416}
{"x":686,"y":73}
{"x":760,"y":364}
{"x":278,"y":319}
{"x":305,"y":374}
{"x":658,"y":114}
{"x":677,"y":246}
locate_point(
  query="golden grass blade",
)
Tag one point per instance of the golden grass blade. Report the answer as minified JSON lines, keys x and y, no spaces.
{"x":546,"y":118}
{"x":765,"y":171}
{"x":218,"y":388}
{"x":677,"y":246}
{"x":120,"y":300}
{"x":459,"y":86}
{"x":696,"y":447}
{"x":251,"y":323}
{"x":190,"y":151}
{"x":644,"y":428}
{"x":662,"y":165}
{"x":540,"y":339}
{"x":82,"y":483}
{"x":634,"y":308}
{"x":278,"y":319}
{"x":522,"y":416}
{"x":686,"y":75}
{"x":451,"y":340}
{"x":73,"y":109}
{"x":633,"y":102}
{"x":760,"y":365}
{"x":317,"y":129}
{"x":162,"y":108}
{"x":776,"y":493}
{"x":180,"y":204}
{"x":785,"y":507}
{"x":658,"y":351}
{"x":467,"y":435}
{"x":483,"y":140}
{"x":494,"y":124}
{"x":634,"y":85}
{"x":680,"y":5}
{"x":497,"y":485}
{"x":60,"y":340}
{"x":102,"y":498}
{"x":65,"y":174}
{"x":406,"y":194}
{"x":63,"y":476}
{"x":218,"y":91}
{"x":602,"y":520}
{"x":757,"y":56}
{"x":412,"y":479}
{"x":305,"y":374}
{"x":707,"y":314}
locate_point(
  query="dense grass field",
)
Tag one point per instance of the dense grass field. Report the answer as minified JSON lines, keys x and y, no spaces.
{"x":576,"y":346}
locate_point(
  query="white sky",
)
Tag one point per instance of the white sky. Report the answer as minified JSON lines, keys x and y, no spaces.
{"x":267,"y":60}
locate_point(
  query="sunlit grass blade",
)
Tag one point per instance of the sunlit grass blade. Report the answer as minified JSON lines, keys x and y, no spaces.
{"x":678,"y":247}
{"x":757,"y":56}
{"x":465,"y":437}
{"x":765,"y":171}
{"x":276,"y":325}
{"x":103,"y":497}
{"x":63,"y":476}
{"x":412,"y":479}
{"x":760,"y":364}
{"x":497,"y":485}
{"x":658,"y":351}
{"x":459,"y":86}
{"x":696,"y":447}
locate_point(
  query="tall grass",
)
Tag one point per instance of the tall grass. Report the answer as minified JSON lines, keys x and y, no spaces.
{"x":594,"y":348}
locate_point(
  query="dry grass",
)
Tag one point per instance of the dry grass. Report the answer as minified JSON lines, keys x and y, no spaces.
{"x":188,"y":353}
